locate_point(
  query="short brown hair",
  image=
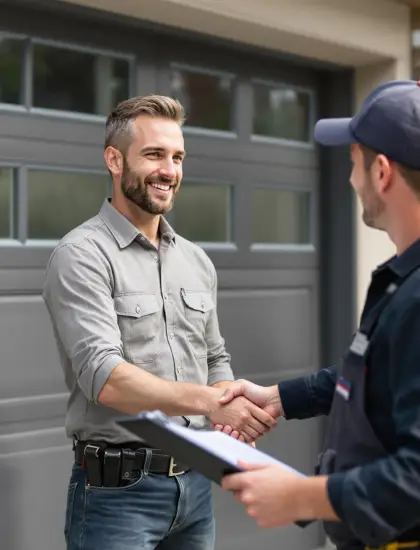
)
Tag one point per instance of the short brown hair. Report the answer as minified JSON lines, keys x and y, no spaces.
{"x":118,"y":129}
{"x":410,"y":175}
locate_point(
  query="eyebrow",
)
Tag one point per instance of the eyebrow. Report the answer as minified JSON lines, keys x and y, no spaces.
{"x":162,"y":150}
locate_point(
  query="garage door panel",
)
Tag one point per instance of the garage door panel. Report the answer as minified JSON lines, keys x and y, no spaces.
{"x":49,"y":129}
{"x":18,"y":281}
{"x":44,"y":153}
{"x":28,"y":345}
{"x":26,"y":479}
{"x":267,"y":330}
{"x":296,"y":443}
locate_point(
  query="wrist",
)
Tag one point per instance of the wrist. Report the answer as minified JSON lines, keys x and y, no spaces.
{"x":208,"y":402}
{"x":311,"y":499}
{"x":274,"y":400}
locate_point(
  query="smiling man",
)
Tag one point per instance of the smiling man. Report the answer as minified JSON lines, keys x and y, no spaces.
{"x":133,"y":306}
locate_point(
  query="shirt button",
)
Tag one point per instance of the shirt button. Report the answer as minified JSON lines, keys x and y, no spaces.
{"x":138,"y":309}
{"x":171,"y":336}
{"x":142,"y":238}
{"x":165,"y":296}
{"x":202,"y":305}
{"x":155,"y":259}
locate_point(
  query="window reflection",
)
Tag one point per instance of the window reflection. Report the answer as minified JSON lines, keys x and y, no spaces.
{"x":11,"y":69}
{"x":281,"y":216}
{"x":202,"y":212}
{"x":281,"y":113}
{"x":206,"y":98}
{"x":69,"y":80}
{"x":59,"y":201}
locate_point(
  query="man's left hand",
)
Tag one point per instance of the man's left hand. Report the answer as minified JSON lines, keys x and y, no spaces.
{"x":267,"y":492}
{"x":275,"y":495}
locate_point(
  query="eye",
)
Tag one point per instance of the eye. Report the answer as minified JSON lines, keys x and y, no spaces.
{"x":153,"y":154}
{"x":178,"y":158}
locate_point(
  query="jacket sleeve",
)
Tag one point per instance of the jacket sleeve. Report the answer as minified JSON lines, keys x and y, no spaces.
{"x":308,"y":396}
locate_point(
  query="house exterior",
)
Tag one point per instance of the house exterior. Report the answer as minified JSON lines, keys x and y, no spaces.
{"x":280,"y":221}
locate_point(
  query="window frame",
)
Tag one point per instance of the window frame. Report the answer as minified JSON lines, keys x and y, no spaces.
{"x":27,"y":75}
{"x":13,"y":222}
{"x":210,"y":71}
{"x":257,"y":138}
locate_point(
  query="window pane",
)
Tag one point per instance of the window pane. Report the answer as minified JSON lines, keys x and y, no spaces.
{"x":207,"y":99}
{"x":281,"y":113}
{"x":59,"y":201}
{"x":202,"y":212}
{"x":6,"y":186}
{"x":281,"y":216}
{"x":11,"y":69}
{"x":68,"y":80}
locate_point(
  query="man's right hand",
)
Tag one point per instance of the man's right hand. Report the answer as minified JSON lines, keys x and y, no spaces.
{"x":245,"y":417}
{"x":267,"y":398}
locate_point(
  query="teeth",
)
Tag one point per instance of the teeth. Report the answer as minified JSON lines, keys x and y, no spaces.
{"x":161,"y":186}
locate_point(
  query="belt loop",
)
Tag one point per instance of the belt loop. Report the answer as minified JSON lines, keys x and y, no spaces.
{"x":147,"y":461}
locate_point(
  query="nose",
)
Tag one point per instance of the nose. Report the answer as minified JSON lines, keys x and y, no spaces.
{"x":168,"y":168}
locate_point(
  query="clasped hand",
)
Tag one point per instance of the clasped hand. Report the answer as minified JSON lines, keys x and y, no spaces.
{"x":247,"y":411}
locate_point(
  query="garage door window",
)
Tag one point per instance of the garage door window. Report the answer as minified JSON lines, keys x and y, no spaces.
{"x":203,"y":212}
{"x":281,"y":112}
{"x":6,"y":194}
{"x":11,"y":69}
{"x":59,"y":201}
{"x":281,"y":216}
{"x":68,"y":80}
{"x":207,"y":98}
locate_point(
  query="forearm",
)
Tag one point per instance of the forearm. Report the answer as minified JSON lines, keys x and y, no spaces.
{"x":131,"y":390}
{"x":308,"y":396}
{"x":223,"y":384}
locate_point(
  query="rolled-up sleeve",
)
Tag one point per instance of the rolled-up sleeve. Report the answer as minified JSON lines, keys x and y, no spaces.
{"x":218,"y":359}
{"x":308,"y":396}
{"x":78,"y":295}
{"x":381,"y":500}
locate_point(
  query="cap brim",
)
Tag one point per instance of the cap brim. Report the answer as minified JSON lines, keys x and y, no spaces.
{"x":334,"y":131}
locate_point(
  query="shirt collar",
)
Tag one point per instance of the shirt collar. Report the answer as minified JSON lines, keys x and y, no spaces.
{"x":406,"y":262}
{"x":124,"y":231}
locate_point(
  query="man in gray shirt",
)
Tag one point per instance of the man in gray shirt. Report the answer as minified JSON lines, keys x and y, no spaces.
{"x":133,"y":308}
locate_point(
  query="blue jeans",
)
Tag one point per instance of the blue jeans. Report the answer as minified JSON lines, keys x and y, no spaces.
{"x":151,"y":512}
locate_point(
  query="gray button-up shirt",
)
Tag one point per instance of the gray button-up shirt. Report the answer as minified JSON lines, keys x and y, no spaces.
{"x":113,"y":297}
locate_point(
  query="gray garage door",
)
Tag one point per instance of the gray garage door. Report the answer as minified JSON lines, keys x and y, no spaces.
{"x":251,"y":197}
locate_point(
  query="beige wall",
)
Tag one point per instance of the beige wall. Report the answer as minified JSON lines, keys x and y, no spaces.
{"x":373,"y":247}
{"x":371,"y":35}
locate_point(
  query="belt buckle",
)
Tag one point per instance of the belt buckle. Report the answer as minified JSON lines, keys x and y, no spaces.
{"x":172,"y":466}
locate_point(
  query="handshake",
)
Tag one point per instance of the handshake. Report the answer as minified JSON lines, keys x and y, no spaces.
{"x":246,"y":411}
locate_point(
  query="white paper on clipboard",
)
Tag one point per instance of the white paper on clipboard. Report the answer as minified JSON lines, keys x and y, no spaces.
{"x":225,"y":447}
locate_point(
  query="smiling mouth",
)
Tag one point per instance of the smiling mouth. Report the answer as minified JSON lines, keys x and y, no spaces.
{"x":161,"y":186}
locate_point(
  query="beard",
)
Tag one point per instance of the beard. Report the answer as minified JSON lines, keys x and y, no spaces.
{"x":136,"y":190}
{"x":373,"y":205}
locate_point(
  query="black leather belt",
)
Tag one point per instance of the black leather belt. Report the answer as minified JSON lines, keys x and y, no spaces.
{"x":108,"y":465}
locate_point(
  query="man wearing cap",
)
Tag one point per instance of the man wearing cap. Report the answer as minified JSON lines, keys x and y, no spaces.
{"x":367,"y":487}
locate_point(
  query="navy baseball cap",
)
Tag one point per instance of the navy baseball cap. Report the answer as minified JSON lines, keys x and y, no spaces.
{"x":388,"y":122}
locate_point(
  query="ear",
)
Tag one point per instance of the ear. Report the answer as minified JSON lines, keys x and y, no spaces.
{"x":382,"y":174}
{"x":114,"y":161}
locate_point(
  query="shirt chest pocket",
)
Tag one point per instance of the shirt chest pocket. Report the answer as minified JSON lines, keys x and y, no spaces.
{"x":197,"y":308}
{"x":138,"y":320}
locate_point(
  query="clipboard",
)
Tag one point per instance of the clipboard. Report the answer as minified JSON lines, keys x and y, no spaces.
{"x":213,"y":454}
